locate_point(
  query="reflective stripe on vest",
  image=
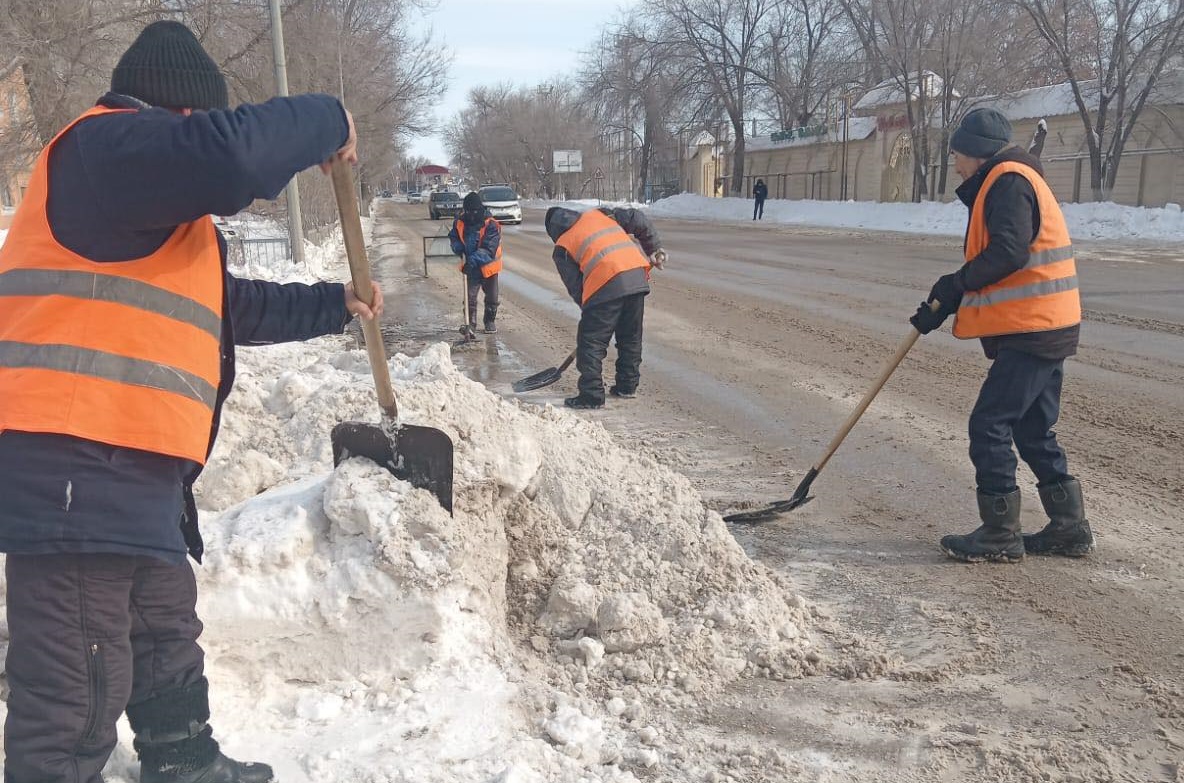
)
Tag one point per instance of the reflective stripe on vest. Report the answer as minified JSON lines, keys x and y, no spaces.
{"x":602,"y":249}
{"x":1040,"y":296}
{"x":125,"y":353}
{"x":494,"y":266}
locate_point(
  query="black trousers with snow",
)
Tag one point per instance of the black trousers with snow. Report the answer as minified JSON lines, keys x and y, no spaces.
{"x":1019,"y":402}
{"x":92,"y":635}
{"x":598,"y":324}
{"x":490,"y":287}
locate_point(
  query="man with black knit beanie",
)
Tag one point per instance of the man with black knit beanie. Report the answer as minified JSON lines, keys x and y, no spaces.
{"x":1017,"y":292}
{"x":118,"y":324}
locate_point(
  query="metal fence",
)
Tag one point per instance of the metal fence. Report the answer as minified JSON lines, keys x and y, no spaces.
{"x":250,"y":253}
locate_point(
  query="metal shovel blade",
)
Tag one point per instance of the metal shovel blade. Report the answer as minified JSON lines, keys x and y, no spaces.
{"x":538,"y":380}
{"x":801,"y":496}
{"x":768,"y":512}
{"x":421,"y":456}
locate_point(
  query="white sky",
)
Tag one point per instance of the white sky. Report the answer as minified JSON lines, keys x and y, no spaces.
{"x":518,"y":41}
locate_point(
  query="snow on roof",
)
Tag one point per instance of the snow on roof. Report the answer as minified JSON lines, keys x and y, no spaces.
{"x":1057,"y":99}
{"x":857,"y":128}
{"x":889,"y":92}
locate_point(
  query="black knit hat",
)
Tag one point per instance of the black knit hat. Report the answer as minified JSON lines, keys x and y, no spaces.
{"x":981,"y":134}
{"x":473,"y":205}
{"x":167,"y":67}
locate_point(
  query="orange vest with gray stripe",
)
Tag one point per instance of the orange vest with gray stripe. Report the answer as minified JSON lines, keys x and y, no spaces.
{"x":1040,"y":297}
{"x":125,"y":353}
{"x":494,"y":266}
{"x":602,"y":249}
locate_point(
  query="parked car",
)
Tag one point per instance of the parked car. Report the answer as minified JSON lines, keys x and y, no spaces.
{"x":444,"y":202}
{"x":415,"y":197}
{"x":502,"y":203}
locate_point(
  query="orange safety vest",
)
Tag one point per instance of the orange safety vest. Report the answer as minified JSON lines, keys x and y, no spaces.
{"x":493,"y":267}
{"x":1041,"y":296}
{"x":124,"y":353}
{"x":602,"y":249}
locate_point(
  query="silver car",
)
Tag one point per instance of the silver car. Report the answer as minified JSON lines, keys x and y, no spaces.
{"x":502,"y":203}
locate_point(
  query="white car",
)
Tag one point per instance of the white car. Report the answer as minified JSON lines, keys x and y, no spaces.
{"x":415,"y":197}
{"x":502,"y":203}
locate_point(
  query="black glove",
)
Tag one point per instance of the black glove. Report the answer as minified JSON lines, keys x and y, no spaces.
{"x":926,"y":319}
{"x":948,"y":290}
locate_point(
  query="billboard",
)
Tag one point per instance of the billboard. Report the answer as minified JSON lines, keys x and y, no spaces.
{"x":568,"y":161}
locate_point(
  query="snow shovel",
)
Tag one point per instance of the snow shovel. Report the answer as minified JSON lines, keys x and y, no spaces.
{"x":544,"y":378}
{"x":422,"y":456}
{"x":801,"y":495}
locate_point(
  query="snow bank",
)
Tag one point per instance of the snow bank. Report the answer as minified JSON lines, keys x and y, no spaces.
{"x":580,"y":596}
{"x":3,"y":235}
{"x":1086,"y":221}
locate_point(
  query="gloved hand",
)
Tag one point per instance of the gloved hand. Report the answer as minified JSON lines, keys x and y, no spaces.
{"x":948,"y":290}
{"x":658,"y":259}
{"x":926,"y":319}
{"x":480,"y":258}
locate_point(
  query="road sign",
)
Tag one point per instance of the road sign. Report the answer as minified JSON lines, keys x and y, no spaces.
{"x":568,"y":161}
{"x":599,"y":174}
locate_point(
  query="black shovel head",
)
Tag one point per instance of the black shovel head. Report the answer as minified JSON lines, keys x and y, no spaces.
{"x":801,"y":496}
{"x":770,"y":511}
{"x":538,"y":380}
{"x":421,"y":456}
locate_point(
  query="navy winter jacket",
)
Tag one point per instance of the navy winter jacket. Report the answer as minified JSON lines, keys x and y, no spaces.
{"x":480,"y":251}
{"x":119,"y":186}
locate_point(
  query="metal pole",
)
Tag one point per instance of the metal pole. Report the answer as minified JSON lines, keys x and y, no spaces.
{"x":295,"y":224}
{"x":846,"y":112}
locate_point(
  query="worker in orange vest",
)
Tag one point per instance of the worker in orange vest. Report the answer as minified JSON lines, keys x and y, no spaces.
{"x":607,"y":274}
{"x":118,"y":327}
{"x":477,"y":238}
{"x":1017,"y":292}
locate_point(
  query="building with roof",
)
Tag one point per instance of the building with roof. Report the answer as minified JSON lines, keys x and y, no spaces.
{"x":866,"y":154}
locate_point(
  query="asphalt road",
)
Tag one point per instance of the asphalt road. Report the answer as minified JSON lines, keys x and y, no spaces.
{"x":760,"y":339}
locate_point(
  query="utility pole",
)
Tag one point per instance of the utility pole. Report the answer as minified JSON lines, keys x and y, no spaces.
{"x":295,"y":224}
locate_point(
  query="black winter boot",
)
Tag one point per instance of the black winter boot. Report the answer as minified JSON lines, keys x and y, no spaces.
{"x":490,"y":319}
{"x":1068,"y":531}
{"x":998,"y":540}
{"x":176,"y":745}
{"x":580,"y":402}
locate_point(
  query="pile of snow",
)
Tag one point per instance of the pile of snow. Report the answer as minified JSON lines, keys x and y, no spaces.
{"x":1086,"y":221}
{"x":579,"y":204}
{"x":579,"y":599}
{"x":3,"y":235}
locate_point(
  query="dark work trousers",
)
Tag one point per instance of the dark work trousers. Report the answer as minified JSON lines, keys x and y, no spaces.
{"x":758,"y":209}
{"x":90,"y":635}
{"x":489,"y":286}
{"x":598,"y":324}
{"x":1020,"y":401}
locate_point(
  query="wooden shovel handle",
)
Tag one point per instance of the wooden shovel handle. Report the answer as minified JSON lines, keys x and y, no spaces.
{"x":359,"y":269}
{"x":889,"y":367}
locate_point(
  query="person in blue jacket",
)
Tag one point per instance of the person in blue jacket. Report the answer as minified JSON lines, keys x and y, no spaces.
{"x":477,"y":238}
{"x":101,"y":600}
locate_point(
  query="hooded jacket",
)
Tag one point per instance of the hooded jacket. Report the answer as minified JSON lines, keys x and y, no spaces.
{"x":634,"y":281}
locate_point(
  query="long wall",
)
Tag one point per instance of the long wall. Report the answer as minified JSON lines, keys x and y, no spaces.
{"x":879,"y":167}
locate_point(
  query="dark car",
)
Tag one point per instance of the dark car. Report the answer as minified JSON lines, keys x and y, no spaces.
{"x":444,"y":202}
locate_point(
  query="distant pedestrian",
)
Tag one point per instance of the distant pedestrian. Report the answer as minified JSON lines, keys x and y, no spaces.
{"x":759,"y":193}
{"x":1018,"y":292}
{"x":477,"y":238}
{"x":608,"y":276}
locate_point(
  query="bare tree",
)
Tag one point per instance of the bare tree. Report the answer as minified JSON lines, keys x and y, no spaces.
{"x":723,"y":38}
{"x":1112,"y":52}
{"x":799,"y":63}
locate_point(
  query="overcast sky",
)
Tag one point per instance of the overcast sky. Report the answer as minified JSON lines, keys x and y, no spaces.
{"x":519,"y":41}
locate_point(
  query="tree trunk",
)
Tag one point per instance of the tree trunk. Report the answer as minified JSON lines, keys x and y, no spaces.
{"x":738,"y":157}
